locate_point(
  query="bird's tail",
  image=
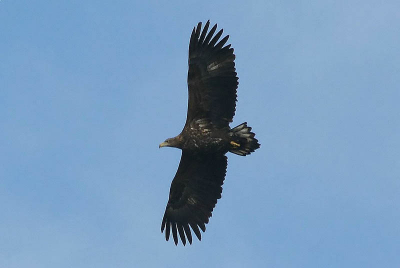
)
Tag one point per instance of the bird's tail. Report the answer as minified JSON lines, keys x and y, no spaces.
{"x":243,"y":141}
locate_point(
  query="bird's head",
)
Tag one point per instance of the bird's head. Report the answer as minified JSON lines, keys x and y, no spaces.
{"x":172,"y":142}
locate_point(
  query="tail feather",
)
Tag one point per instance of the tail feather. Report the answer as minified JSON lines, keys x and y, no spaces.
{"x":243,"y":141}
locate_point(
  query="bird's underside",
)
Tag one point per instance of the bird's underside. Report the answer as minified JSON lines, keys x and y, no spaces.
{"x":206,"y":136}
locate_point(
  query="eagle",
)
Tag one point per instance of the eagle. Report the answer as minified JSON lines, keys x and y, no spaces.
{"x":206,"y":136}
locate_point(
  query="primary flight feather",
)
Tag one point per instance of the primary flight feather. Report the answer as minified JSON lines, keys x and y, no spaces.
{"x":206,"y":136}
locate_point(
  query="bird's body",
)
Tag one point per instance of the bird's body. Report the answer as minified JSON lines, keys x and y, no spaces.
{"x":202,"y":136}
{"x":206,"y":136}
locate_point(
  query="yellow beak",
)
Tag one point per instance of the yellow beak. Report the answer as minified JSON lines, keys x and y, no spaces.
{"x":163,"y":144}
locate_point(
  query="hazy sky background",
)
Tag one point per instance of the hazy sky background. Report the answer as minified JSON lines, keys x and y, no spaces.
{"x":88,"y":89}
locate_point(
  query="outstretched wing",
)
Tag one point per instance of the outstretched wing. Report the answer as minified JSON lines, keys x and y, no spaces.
{"x":194,"y":192}
{"x":212,"y":80}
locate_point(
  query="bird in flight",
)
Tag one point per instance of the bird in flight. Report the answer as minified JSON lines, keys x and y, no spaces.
{"x":206,"y":136}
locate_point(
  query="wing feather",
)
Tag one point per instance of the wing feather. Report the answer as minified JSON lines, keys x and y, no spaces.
{"x":203,"y":34}
{"x":174,"y":234}
{"x":210,"y":34}
{"x":222,"y":42}
{"x":181,"y":234}
{"x":193,"y":195}
{"x":196,"y":230}
{"x":188,"y":233}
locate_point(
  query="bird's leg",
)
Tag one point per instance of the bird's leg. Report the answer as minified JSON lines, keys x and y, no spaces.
{"x":234,"y":144}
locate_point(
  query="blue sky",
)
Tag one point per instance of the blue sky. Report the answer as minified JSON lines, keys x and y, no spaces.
{"x":89,"y":89}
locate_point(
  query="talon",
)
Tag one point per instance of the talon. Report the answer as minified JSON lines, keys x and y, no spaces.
{"x":234,"y":144}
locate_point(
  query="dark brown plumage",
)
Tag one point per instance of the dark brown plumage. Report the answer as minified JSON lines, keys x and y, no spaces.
{"x":206,"y":136}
